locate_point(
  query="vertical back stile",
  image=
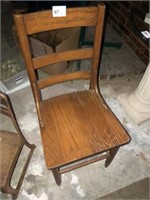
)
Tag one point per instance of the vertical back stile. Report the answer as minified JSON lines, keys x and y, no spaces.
{"x":18,"y":18}
{"x":97,"y":47}
{"x":24,"y":43}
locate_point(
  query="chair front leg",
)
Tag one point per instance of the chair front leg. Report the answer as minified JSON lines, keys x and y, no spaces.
{"x":112,"y":153}
{"x":57,"y":176}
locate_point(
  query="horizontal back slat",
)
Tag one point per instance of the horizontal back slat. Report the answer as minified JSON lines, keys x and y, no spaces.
{"x":5,"y":111}
{"x":3,"y":101}
{"x":62,"y":78}
{"x":61,"y":57}
{"x":76,"y":17}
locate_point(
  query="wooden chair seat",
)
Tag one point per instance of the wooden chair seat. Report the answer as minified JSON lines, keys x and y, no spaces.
{"x":11,"y":146}
{"x":78,"y":125}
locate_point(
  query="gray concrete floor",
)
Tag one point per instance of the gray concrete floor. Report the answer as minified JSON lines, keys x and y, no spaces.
{"x":131,"y":164}
{"x":138,"y":190}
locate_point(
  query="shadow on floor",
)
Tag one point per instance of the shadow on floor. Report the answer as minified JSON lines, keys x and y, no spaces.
{"x":138,"y":190}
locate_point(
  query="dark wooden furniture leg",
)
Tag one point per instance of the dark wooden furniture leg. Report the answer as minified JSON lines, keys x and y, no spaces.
{"x":14,"y":196}
{"x":57,"y":176}
{"x":111,"y":156}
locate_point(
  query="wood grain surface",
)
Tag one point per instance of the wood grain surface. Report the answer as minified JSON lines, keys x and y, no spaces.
{"x":78,"y":125}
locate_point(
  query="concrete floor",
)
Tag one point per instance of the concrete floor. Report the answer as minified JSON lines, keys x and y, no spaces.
{"x":131,"y":164}
{"x":138,"y":190}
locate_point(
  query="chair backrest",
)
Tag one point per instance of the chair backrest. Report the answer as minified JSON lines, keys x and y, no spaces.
{"x":7,"y":110}
{"x":31,"y":23}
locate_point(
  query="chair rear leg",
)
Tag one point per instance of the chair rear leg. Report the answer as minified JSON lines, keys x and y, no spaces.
{"x":14,"y":196}
{"x":111,"y":156}
{"x":57,"y":176}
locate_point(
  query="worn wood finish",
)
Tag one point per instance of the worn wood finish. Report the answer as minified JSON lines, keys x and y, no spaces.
{"x":82,"y":163}
{"x":62,"y":78}
{"x":75,"y":127}
{"x":82,"y":126}
{"x":11,"y":144}
{"x":75,"y":18}
{"x":49,"y":59}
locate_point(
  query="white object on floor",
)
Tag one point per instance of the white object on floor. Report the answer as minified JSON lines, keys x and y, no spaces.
{"x":137,"y":103}
{"x":15,"y":83}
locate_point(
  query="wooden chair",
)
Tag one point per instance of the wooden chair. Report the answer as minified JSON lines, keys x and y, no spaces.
{"x":76,"y":128}
{"x":11,"y":144}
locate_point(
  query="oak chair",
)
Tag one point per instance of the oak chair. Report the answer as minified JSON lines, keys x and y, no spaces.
{"x":11,"y":145}
{"x":77,"y":128}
